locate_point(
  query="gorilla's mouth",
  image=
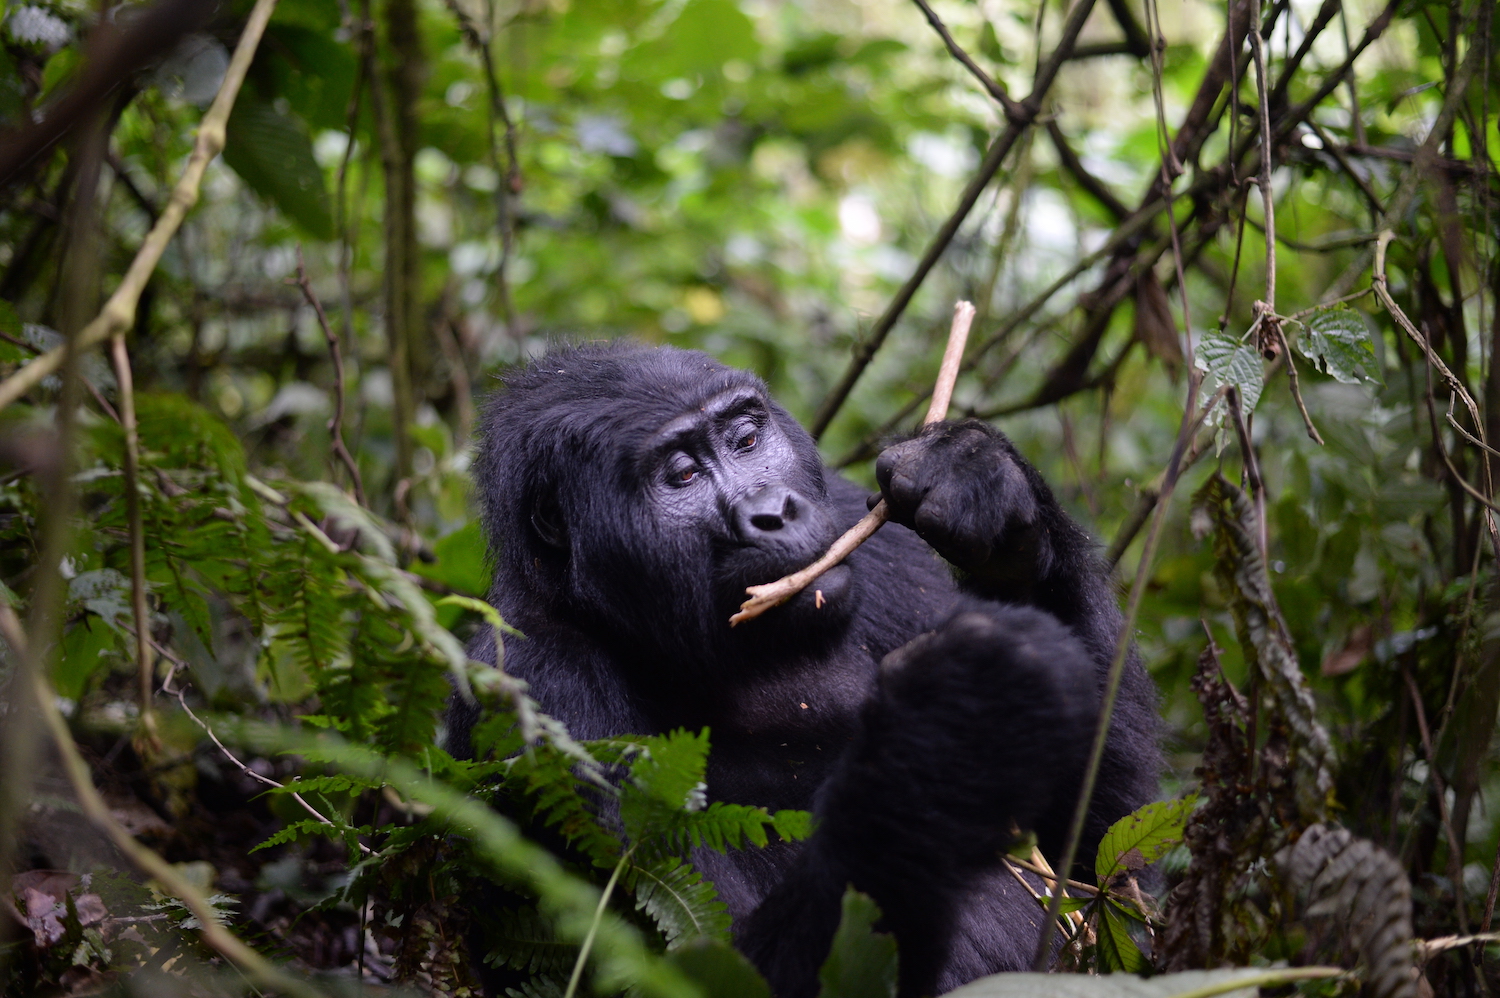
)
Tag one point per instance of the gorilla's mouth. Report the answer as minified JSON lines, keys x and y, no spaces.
{"x":748,"y":565}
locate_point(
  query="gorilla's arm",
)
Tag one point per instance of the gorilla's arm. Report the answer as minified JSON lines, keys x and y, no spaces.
{"x":925,"y":797}
{"x":967,"y":492}
{"x":964,"y":488}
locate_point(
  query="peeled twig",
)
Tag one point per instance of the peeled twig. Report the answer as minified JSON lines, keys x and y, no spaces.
{"x":762,"y":598}
{"x":144,"y":659}
{"x":118,"y":313}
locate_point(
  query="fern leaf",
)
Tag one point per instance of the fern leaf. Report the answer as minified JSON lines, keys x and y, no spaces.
{"x":682,"y":904}
{"x":521,"y":939}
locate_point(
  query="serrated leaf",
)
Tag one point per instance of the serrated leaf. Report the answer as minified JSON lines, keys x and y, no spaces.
{"x":1228,"y":361}
{"x":1338,"y":342}
{"x":269,"y":148}
{"x":1117,"y":950}
{"x":719,"y":970}
{"x":861,"y":962}
{"x":1142,"y":837}
{"x":1238,"y":982}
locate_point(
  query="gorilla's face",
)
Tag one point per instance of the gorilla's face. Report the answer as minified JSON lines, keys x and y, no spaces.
{"x":731,"y":472}
{"x":636,"y":493}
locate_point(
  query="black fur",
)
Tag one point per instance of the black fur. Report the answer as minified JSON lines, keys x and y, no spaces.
{"x":631,"y":494}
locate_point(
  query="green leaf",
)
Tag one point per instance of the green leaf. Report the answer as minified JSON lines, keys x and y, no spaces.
{"x":521,"y":938}
{"x":1239,"y":982}
{"x":460,"y":561}
{"x":1141,"y":838}
{"x":719,"y":970}
{"x":1338,"y":342}
{"x":861,"y":962}
{"x":1117,"y":950}
{"x":1228,"y":361}
{"x":670,"y":768}
{"x":681,"y":903}
{"x":269,"y":148}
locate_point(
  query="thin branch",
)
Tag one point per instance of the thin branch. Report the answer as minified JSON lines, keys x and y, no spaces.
{"x":1268,"y":202}
{"x":1251,"y":465}
{"x":1455,"y":854}
{"x":764,"y":597}
{"x":993,"y":158}
{"x":118,"y":313}
{"x":1148,"y":499}
{"x":1454,"y":385}
{"x":1013,"y":110}
{"x":210,"y":927}
{"x":1274,"y":323}
{"x":1192,"y":418}
{"x":180,"y":693}
{"x":145,"y":661}
{"x":336,"y":420}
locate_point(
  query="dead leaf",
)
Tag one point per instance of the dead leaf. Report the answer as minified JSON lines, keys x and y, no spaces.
{"x":44,"y":916}
{"x":1356,"y":649}
{"x":1154,"y":325}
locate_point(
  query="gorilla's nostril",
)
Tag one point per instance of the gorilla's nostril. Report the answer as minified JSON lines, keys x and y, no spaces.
{"x":766,"y":521}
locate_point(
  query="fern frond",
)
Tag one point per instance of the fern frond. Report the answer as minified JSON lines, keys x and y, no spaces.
{"x":521,"y":939}
{"x":683,"y":905}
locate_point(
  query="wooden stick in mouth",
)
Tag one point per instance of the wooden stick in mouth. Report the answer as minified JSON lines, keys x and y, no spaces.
{"x":763,"y":597}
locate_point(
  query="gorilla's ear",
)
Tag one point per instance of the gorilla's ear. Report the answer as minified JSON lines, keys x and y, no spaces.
{"x":547,"y":523}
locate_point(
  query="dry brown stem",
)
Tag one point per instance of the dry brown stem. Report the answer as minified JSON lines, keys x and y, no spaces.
{"x":763,"y":597}
{"x":119,"y":312}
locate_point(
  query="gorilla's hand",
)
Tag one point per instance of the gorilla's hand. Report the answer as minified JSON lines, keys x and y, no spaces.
{"x":973,"y":732}
{"x":963,"y":488}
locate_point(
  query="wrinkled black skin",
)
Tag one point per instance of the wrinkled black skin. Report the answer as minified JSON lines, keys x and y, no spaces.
{"x":921,"y":713}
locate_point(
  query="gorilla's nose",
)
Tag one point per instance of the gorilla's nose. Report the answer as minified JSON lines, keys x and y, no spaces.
{"x":767,"y":510}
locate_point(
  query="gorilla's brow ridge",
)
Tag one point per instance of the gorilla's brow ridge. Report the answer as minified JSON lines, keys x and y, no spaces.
{"x":718,"y":409}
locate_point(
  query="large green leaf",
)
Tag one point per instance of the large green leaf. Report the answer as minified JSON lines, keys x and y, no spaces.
{"x":1239,"y":982}
{"x":719,"y":970}
{"x":1117,"y":950}
{"x":268,"y":146}
{"x":861,"y":962}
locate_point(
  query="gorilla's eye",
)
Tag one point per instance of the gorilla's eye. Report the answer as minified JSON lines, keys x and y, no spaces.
{"x":683,"y":470}
{"x":747,"y":441}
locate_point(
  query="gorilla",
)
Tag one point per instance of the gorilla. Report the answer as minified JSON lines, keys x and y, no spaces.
{"x":925,"y":712}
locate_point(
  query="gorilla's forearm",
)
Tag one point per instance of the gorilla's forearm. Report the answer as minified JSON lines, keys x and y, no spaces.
{"x":1053,"y":564}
